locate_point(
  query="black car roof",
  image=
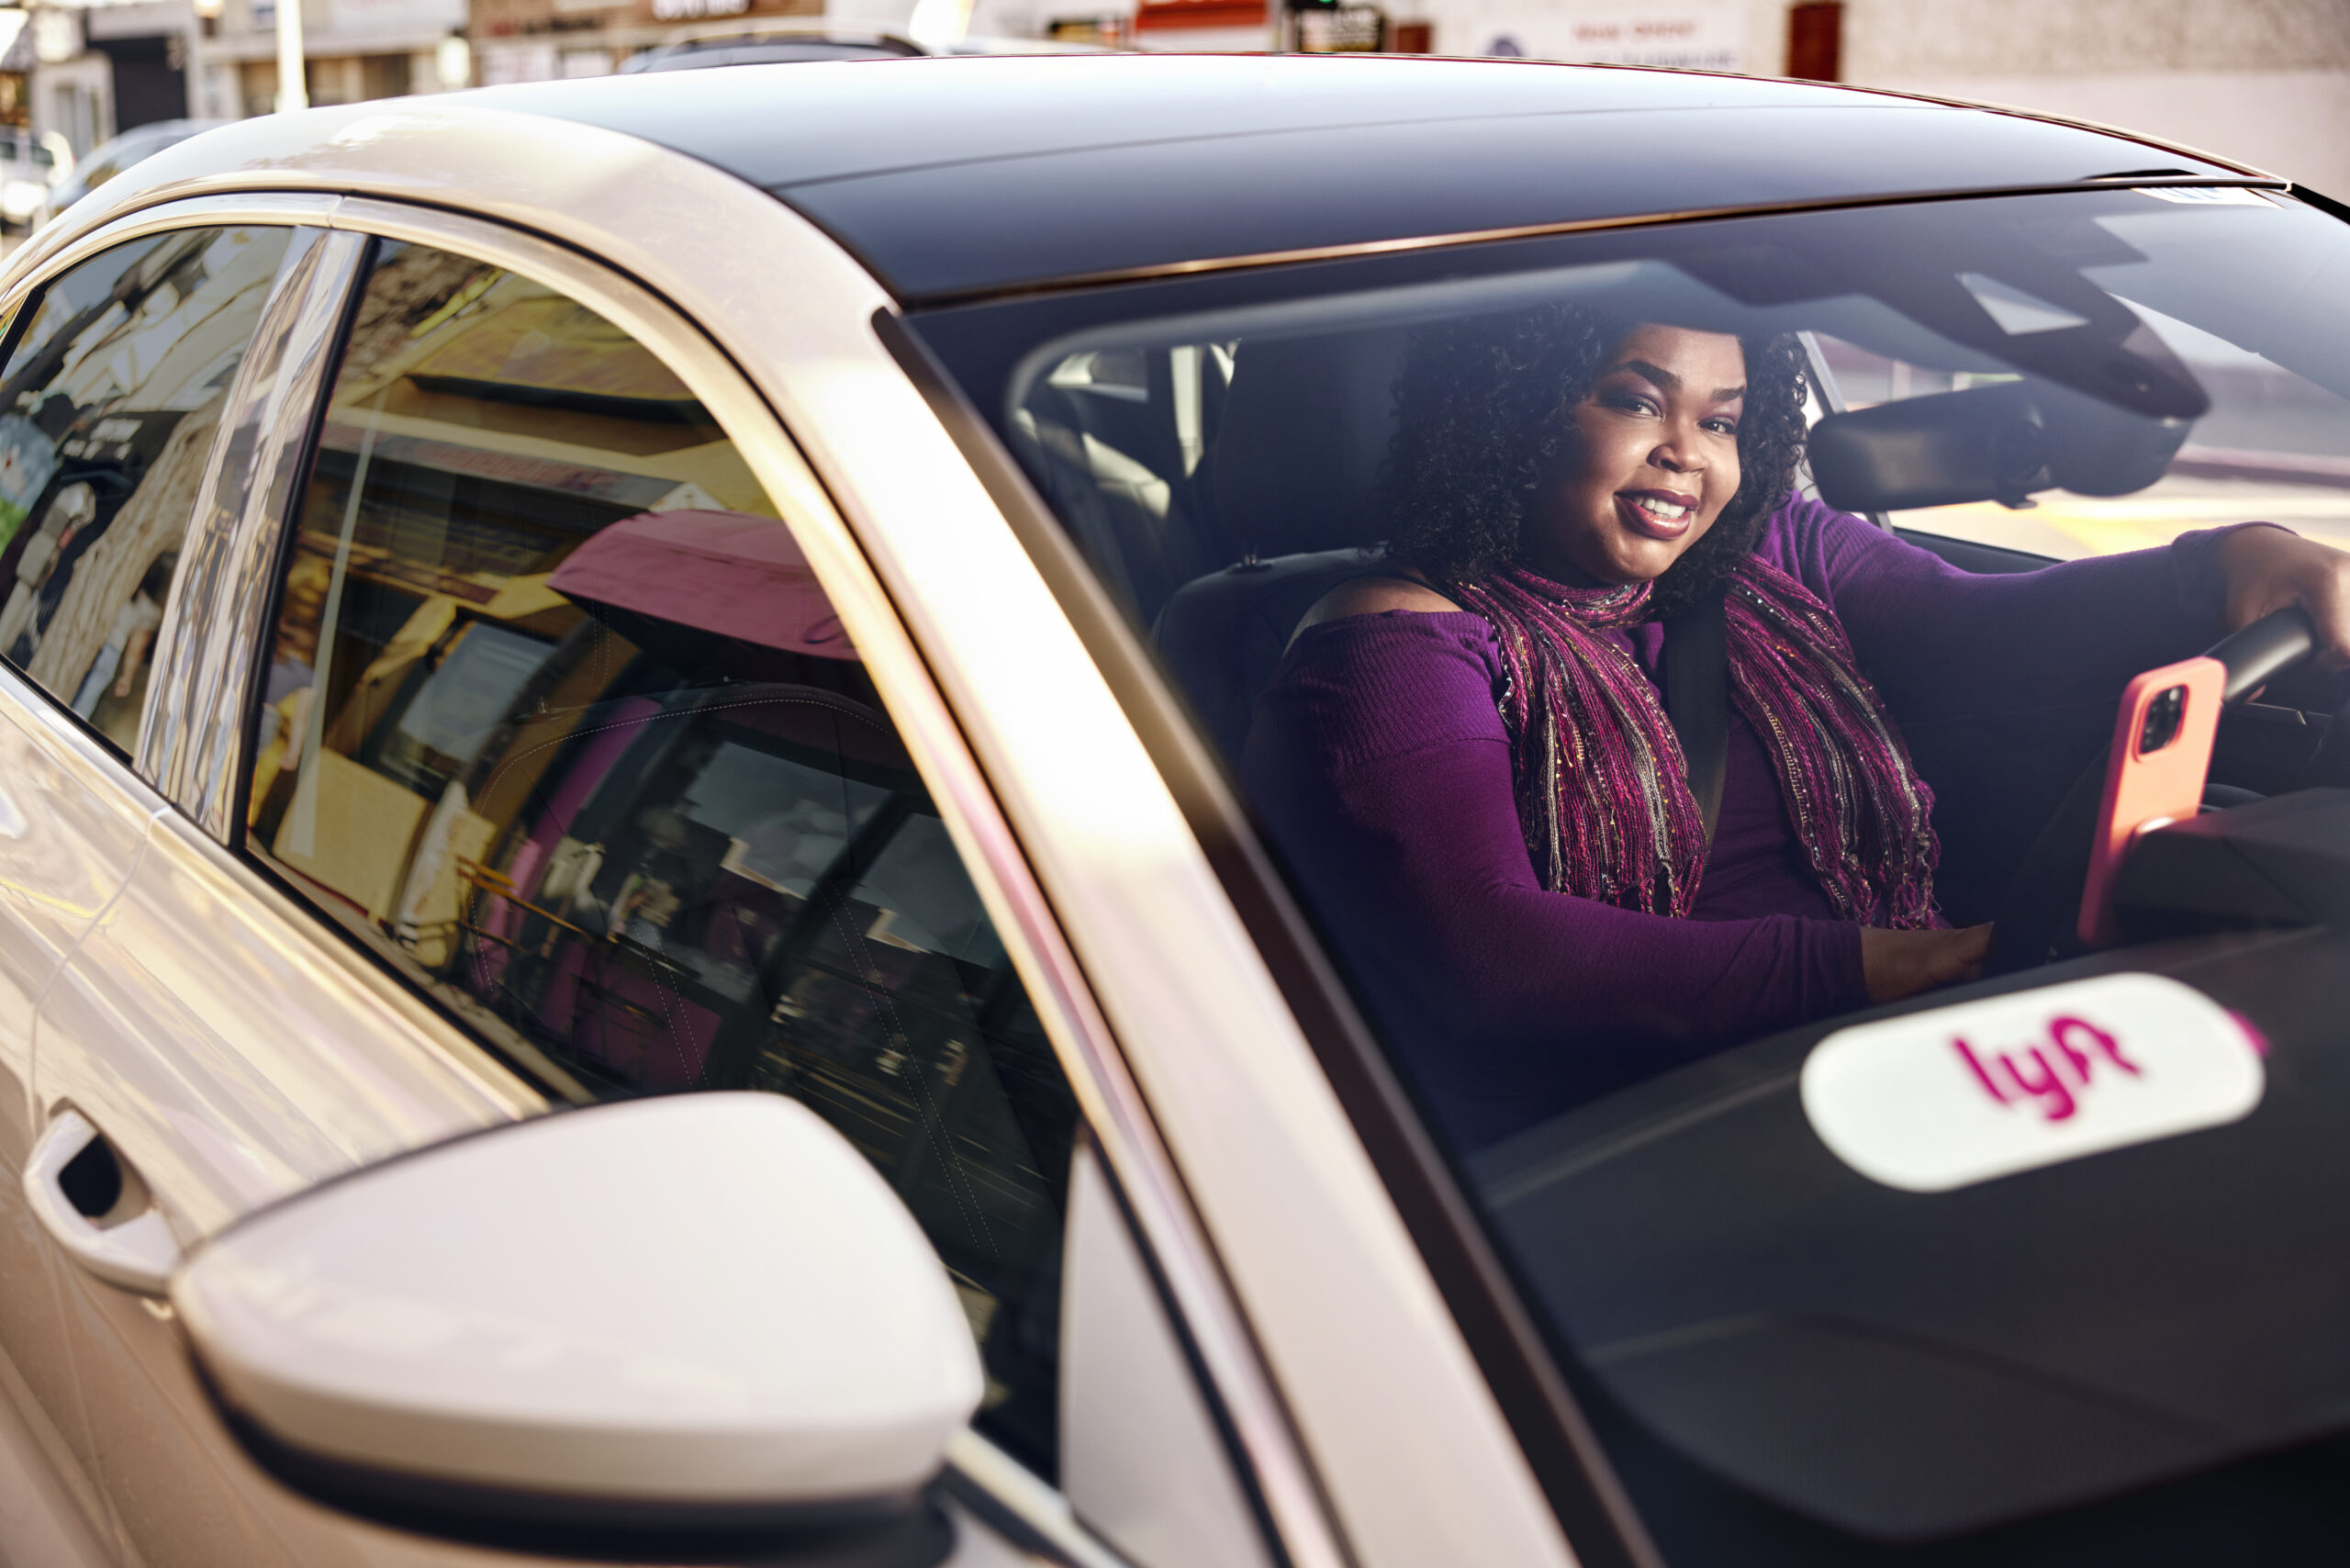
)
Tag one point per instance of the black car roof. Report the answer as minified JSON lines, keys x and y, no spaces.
{"x":958,"y":177}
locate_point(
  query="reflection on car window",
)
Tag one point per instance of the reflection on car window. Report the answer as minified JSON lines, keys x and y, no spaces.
{"x":558,"y":722}
{"x":1430,"y":546}
{"x":2274,"y":445}
{"x":107,"y":409}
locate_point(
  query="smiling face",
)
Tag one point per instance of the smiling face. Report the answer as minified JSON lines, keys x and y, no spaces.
{"x":1652,"y":461}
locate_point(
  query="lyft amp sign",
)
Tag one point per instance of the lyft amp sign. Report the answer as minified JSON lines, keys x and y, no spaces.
{"x":1944,"y":1099}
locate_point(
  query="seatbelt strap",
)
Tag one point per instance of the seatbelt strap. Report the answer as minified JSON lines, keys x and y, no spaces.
{"x":1696,"y":698}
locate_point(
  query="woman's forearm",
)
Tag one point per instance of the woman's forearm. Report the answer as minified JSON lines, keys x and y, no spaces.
{"x":1940,"y":644}
{"x":1436,"y":877}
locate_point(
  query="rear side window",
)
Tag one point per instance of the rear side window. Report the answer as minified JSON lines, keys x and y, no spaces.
{"x":558,"y":723}
{"x":108,"y":406}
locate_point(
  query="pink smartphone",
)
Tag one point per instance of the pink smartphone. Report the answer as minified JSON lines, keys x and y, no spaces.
{"x":2162,"y":754}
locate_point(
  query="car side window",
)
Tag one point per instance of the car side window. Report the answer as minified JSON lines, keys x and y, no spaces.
{"x":558,"y":723}
{"x":108,"y":403}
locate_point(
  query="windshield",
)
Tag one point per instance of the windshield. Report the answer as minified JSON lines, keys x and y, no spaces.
{"x":1625,"y":641}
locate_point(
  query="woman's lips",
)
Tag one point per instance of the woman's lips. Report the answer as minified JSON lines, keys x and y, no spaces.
{"x":1667,"y":514}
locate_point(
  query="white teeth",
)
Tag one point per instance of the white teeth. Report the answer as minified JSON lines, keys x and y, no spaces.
{"x":1665,"y":510}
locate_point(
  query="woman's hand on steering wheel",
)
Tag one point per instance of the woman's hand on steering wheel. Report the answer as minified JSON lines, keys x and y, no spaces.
{"x":1895,"y":964}
{"x":2267,"y":569}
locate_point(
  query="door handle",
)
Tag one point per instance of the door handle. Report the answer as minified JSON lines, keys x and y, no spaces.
{"x":97,"y":1209}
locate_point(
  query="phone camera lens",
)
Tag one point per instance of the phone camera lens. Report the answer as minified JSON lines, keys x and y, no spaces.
{"x":2164,"y":716}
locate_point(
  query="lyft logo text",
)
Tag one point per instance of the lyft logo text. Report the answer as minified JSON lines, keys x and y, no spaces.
{"x":1947,"y":1098}
{"x":2051,"y":1074}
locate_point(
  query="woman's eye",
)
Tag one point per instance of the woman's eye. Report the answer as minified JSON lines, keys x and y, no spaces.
{"x":1633,"y":403}
{"x":1722,"y":426}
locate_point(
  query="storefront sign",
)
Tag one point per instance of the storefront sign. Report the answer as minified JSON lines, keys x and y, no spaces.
{"x":405,"y":17}
{"x":57,"y":35}
{"x":695,"y":10}
{"x":1691,"y":38}
{"x":1340,"y":29}
{"x":1196,"y":16}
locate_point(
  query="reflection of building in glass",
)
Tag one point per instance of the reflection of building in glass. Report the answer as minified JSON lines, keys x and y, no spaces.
{"x":108,"y":406}
{"x":561,"y":725}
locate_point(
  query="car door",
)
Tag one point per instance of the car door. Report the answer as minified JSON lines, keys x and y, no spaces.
{"x":553,"y":774}
{"x":123,"y":361}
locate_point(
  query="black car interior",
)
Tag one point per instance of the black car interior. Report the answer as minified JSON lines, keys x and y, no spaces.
{"x":1222,"y":557}
{"x":1737,"y":1297}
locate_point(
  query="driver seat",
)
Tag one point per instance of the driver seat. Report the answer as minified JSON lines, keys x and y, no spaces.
{"x":1292,"y":474}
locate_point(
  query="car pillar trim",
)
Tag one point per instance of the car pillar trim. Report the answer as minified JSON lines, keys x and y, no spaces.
{"x":64,"y":244}
{"x":192,"y":739}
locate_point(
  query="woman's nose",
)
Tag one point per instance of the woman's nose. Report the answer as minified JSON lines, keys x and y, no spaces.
{"x":1676,"y":456}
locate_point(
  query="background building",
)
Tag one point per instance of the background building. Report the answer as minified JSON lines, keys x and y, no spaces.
{"x":101,"y":67}
{"x":354,"y":50}
{"x":534,"y":40}
{"x":2263,"y":81}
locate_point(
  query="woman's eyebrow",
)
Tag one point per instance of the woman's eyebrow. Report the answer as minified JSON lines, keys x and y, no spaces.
{"x":1657,"y":374}
{"x":1672,"y":382}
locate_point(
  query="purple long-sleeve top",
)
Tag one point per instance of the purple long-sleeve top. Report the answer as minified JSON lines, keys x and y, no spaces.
{"x":1378,"y":758}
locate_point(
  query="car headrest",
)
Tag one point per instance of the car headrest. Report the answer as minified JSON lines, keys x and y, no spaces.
{"x":1297,"y":452}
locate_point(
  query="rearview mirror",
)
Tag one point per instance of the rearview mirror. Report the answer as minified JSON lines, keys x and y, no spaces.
{"x":2000,"y":442}
{"x":649,"y":1329}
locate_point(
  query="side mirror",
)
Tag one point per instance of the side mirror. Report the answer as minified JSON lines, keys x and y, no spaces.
{"x":1999,"y":443}
{"x":660,"y":1329}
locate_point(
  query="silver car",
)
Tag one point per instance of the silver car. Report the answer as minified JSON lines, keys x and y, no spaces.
{"x":725,"y":605}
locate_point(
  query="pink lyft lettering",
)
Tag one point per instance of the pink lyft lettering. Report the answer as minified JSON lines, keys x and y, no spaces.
{"x":2054,"y":1081}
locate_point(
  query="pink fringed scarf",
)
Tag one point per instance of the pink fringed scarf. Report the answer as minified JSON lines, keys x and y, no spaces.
{"x":1603,"y":791}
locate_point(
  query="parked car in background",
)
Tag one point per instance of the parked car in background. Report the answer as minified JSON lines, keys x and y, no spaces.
{"x":784,"y":40}
{"x":31,"y":167}
{"x":628,"y":931}
{"x":111,"y":157}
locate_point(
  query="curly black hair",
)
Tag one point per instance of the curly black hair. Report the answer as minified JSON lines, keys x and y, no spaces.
{"x":1483,"y":410}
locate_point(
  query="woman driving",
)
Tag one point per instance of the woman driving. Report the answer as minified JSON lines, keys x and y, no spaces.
{"x":1470,"y":759}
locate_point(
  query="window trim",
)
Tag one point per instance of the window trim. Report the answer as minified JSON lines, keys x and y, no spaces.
{"x":191,"y":744}
{"x":286,"y":209}
{"x":982,"y":838}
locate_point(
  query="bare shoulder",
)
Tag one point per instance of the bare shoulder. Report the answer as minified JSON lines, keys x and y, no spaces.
{"x":1370,"y":595}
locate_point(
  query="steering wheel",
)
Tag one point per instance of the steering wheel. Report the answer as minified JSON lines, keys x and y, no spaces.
{"x":2035,"y":920}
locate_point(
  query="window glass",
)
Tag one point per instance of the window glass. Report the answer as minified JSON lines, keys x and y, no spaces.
{"x":559,"y":723}
{"x":2274,"y":445}
{"x":107,"y":409}
{"x":1423,"y":543}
